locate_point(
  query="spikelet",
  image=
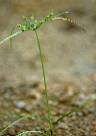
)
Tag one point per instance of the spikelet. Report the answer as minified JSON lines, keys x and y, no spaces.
{"x":71,"y":21}
{"x":63,"y":16}
{"x":75,"y":22}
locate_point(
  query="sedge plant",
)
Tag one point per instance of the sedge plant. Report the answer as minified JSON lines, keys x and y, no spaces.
{"x":32,"y":24}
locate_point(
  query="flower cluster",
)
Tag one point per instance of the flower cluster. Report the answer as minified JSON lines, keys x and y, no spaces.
{"x":30,"y":23}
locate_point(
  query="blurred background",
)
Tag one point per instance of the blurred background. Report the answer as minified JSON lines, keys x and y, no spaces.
{"x":70,"y":61}
{"x":69,"y":51}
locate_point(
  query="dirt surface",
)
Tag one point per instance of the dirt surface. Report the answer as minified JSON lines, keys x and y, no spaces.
{"x":70,"y":59}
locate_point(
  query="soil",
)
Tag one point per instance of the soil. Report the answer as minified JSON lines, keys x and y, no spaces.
{"x":70,"y":60}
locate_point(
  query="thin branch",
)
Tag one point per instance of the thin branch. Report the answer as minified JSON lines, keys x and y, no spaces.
{"x":45,"y":82}
{"x":10,"y":37}
{"x":29,"y":132}
{"x":10,"y":125}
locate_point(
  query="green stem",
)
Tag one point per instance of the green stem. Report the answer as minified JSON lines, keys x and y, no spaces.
{"x":10,"y":37}
{"x":45,"y":83}
{"x":11,"y":125}
{"x":29,"y":132}
{"x":66,"y":115}
{"x":76,"y":109}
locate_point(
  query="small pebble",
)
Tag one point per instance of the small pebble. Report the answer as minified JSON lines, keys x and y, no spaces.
{"x":11,"y":132}
{"x":20,"y":104}
{"x":63,"y":126}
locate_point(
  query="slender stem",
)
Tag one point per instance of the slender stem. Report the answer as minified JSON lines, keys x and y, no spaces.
{"x":62,"y":18}
{"x":12,"y":31}
{"x":76,"y":109}
{"x":29,"y":132}
{"x":45,"y":83}
{"x":10,"y":125}
{"x":10,"y":37}
{"x":66,"y":115}
{"x":63,"y":13}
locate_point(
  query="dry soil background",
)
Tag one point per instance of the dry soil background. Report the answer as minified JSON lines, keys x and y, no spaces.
{"x":68,"y":50}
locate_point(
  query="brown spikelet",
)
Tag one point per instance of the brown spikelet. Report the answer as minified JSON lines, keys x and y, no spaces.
{"x":74,"y":23}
